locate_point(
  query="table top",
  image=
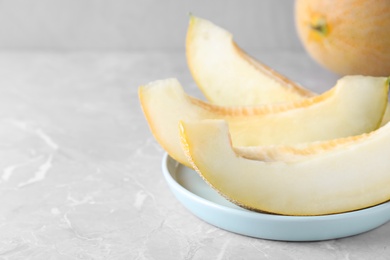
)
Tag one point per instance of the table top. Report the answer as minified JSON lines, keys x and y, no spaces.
{"x":80,"y":174}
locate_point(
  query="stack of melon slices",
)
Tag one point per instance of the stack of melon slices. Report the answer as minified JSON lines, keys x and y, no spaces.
{"x":266,"y":143}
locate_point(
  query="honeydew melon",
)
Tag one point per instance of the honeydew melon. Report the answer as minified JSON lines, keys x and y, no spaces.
{"x":355,"y":105}
{"x":340,"y":180}
{"x":347,"y":37}
{"x":227,"y":75}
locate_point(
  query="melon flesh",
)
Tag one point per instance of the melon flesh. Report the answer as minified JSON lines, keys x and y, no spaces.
{"x":352,"y":178}
{"x":295,"y":152}
{"x":226,"y":74}
{"x":354,"y":106}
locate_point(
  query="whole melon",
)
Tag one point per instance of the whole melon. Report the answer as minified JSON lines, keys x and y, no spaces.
{"x":346,"y":36}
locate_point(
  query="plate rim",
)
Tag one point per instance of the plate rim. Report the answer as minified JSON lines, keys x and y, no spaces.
{"x":173,"y":183}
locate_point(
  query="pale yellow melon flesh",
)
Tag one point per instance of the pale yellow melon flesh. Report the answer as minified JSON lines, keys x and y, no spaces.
{"x":352,"y":178}
{"x":386,"y":116}
{"x":295,"y":152}
{"x":354,"y":106}
{"x":299,"y":152}
{"x":227,"y":75}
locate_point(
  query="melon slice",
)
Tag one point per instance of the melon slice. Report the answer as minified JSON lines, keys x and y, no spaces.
{"x":352,"y":178}
{"x":354,"y":106}
{"x":227,"y":75}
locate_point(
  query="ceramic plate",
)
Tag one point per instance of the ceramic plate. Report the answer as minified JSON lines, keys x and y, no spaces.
{"x":208,"y":205}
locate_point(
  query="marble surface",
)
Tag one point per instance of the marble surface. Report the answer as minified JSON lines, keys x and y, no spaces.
{"x":80,"y":174}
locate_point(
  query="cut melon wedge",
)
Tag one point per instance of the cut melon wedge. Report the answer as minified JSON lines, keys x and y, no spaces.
{"x":354,"y":106}
{"x":227,"y":75}
{"x":352,"y":178}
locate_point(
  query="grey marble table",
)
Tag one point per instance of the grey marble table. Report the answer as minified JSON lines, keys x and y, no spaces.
{"x":80,"y":174}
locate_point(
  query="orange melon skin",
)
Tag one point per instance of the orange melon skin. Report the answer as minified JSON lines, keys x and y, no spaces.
{"x":356,"y":35}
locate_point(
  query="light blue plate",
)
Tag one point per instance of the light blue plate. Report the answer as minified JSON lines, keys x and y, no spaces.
{"x":211,"y":207}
